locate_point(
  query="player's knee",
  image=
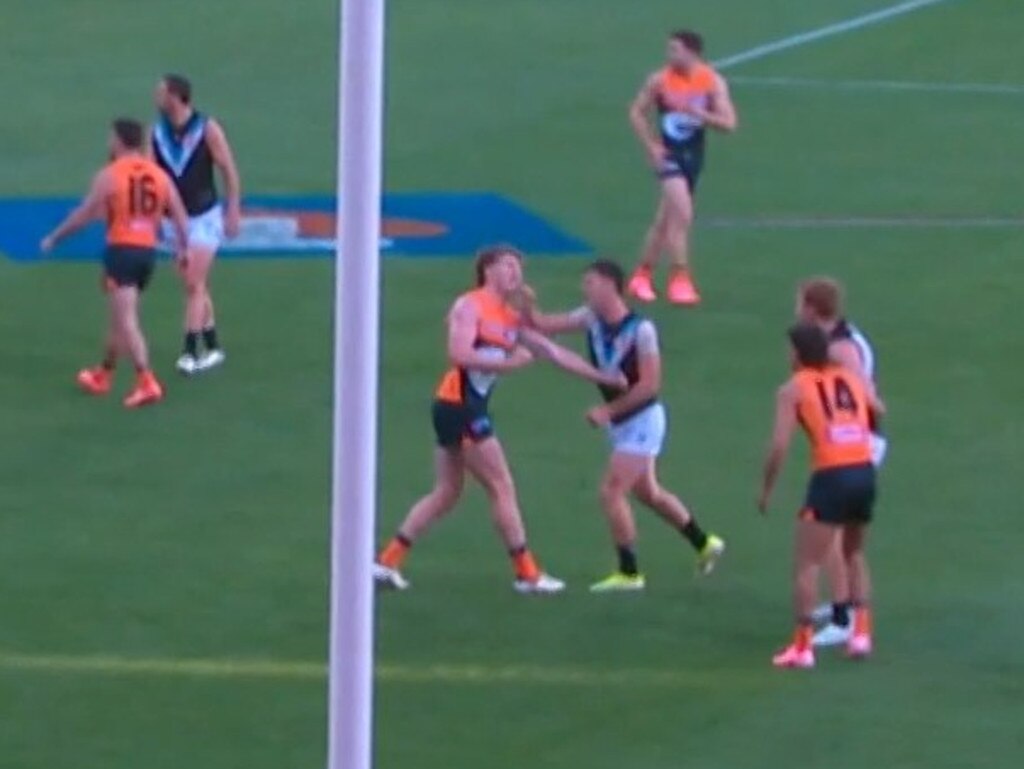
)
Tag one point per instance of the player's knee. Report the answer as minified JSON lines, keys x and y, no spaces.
{"x":650,"y":494}
{"x":500,"y":487}
{"x":447,"y":494}
{"x":612,"y":489}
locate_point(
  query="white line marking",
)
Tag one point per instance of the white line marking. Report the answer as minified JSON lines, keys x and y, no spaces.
{"x":811,"y":222}
{"x":831,"y":30}
{"x":809,"y":83}
{"x":385,"y":672}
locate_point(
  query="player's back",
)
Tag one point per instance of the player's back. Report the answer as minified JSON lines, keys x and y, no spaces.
{"x":834,"y":410}
{"x":136,"y":200}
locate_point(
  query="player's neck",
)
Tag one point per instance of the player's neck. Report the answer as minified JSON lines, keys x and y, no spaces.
{"x":181,"y":117}
{"x":615,"y":312}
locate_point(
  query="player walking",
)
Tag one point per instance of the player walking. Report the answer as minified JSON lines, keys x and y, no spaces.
{"x":834,"y":407}
{"x":619,"y":340}
{"x":188,"y":145}
{"x":820,"y":301}
{"x":687,"y":97}
{"x":485,"y":339}
{"x":132,"y":194}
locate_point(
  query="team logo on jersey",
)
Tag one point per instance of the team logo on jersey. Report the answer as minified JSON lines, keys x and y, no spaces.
{"x":680,"y":126}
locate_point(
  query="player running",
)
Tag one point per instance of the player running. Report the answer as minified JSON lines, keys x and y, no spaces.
{"x":132,"y":193}
{"x":834,"y":407}
{"x":619,"y":340}
{"x":188,"y":145}
{"x":485,"y":339}
{"x":820,"y":301}
{"x":687,"y":97}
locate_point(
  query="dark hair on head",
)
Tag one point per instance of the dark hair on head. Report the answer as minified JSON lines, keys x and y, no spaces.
{"x":810,"y":343}
{"x":129,"y":132}
{"x":180,"y":86}
{"x":824,"y":296}
{"x":692,"y":40}
{"x":488,"y":255}
{"x":611,"y":270}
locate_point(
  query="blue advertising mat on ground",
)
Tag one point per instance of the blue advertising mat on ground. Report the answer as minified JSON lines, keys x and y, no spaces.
{"x":414,"y":224}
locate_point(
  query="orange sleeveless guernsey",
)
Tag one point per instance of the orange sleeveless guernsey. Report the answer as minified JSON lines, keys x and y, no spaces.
{"x":679,"y":87}
{"x":136,"y":202}
{"x":833,"y":411}
{"x":497,"y":333}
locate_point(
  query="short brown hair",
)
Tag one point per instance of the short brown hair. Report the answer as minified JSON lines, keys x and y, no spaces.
{"x":488,"y":255}
{"x":810,"y":344}
{"x":129,"y":132}
{"x":693,"y":41}
{"x":179,"y":86}
{"x":610,"y":270}
{"x":824,"y":296}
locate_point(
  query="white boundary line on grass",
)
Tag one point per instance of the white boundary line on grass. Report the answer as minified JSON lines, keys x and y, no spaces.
{"x":812,"y":83}
{"x":824,"y":222}
{"x":467,"y":674}
{"x":830,"y":30}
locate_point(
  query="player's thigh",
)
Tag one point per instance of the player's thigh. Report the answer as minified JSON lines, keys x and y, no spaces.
{"x":647,"y":487}
{"x":449,"y":470}
{"x":677,"y":199}
{"x":485,"y":459}
{"x":815,"y":540}
{"x":200,"y":262}
{"x":624,"y":471}
{"x":124,"y":304}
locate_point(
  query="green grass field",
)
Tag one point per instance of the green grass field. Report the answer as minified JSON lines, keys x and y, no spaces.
{"x":163,"y":574}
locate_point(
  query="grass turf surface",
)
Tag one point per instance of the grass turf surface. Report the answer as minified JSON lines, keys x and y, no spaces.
{"x":198,"y":530}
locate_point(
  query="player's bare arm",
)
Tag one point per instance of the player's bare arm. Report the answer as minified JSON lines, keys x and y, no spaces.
{"x":639,"y":117}
{"x":720,"y":113}
{"x":462,"y":326}
{"x":552,"y":323}
{"x":782,"y":435}
{"x":567,"y":360}
{"x":89,"y":209}
{"x":224,"y":159}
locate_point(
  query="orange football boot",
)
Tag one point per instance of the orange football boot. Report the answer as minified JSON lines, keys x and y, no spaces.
{"x":95,"y":381}
{"x":147,"y":390}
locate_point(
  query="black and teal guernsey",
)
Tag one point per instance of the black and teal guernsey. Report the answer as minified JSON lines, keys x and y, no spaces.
{"x":618,"y":347}
{"x":184,"y":154}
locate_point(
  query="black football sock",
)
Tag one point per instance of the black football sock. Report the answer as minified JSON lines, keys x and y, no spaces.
{"x":191,"y":343}
{"x":210,"y":338}
{"x":695,"y":535}
{"x":627,"y":560}
{"x":841,"y":613}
